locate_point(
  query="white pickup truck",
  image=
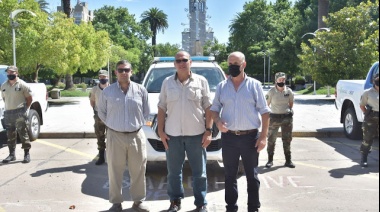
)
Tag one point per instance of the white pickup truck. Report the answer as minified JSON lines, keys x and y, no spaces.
{"x":348,"y":94}
{"x":37,"y":109}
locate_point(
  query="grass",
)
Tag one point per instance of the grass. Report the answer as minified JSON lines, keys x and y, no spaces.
{"x":320,"y":91}
{"x":75,"y":93}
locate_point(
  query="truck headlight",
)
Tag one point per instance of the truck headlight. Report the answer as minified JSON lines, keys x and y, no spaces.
{"x":150,"y":120}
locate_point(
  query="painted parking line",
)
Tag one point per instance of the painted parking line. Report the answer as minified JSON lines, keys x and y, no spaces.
{"x":66,"y":149}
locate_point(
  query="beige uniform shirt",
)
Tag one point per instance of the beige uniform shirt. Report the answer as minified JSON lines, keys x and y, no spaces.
{"x":14,"y":96}
{"x":279,"y":101}
{"x":370,"y":97}
{"x":96,"y":91}
{"x":185,"y":105}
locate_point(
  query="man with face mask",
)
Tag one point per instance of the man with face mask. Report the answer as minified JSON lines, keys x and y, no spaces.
{"x":369,"y":104}
{"x":280,"y":98}
{"x":240,"y":102}
{"x":100,"y":127}
{"x":17,"y":98}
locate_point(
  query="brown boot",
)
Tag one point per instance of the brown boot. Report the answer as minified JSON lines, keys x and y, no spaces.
{"x":270,"y":161}
{"x":288,"y":162}
{"x":26,"y":156}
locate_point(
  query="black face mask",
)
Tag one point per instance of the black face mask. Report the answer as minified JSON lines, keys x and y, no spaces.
{"x":377,"y":83}
{"x":103,"y":81}
{"x":11,"y":77}
{"x":234,"y":70}
{"x":280,"y":84}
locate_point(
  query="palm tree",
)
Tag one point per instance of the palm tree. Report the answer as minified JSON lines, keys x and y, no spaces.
{"x":44,"y":6}
{"x":67,"y":10}
{"x":157,"y":19}
{"x":323,"y":10}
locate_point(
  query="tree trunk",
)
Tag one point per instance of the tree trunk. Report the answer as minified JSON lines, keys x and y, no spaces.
{"x":67,"y":10}
{"x":35,"y":74}
{"x":66,"y":6}
{"x":69,"y":82}
{"x":323,"y":11}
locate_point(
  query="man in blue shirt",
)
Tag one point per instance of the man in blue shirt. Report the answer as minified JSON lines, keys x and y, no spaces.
{"x":240,"y":102}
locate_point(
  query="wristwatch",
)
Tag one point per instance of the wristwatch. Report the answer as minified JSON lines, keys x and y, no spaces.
{"x":209,"y":129}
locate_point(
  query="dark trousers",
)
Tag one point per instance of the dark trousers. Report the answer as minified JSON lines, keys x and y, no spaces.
{"x":234,"y":147}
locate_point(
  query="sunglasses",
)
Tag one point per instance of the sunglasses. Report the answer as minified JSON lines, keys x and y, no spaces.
{"x":181,"y":60}
{"x":122,"y":70}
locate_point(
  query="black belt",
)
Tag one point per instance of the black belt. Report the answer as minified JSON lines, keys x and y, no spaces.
{"x":274,"y":115}
{"x":127,"y":132}
{"x":18,"y":110}
{"x":242,"y":132}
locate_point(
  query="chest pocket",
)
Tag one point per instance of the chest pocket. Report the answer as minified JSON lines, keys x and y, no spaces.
{"x":194,"y":94}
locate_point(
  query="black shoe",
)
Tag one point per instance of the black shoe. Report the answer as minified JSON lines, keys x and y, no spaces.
{"x":231,"y":210}
{"x":26,"y":158}
{"x":269,"y":164}
{"x":9,"y":158}
{"x":175,"y":206}
{"x":289,"y":164}
{"x":100,"y":160}
{"x":201,"y":209}
{"x":253,"y":210}
{"x":116,"y":207}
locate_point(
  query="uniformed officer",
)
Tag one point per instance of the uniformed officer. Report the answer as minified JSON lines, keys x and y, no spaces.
{"x":280,"y":98}
{"x":17,"y":98}
{"x":100,"y":127}
{"x":369,"y":104}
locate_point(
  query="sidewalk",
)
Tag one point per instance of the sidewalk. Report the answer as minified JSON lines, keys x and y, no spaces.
{"x":72,"y":117}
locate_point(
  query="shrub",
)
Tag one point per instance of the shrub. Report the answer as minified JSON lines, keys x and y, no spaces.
{"x":61,"y":85}
{"x":299,"y":80}
{"x":81,"y":85}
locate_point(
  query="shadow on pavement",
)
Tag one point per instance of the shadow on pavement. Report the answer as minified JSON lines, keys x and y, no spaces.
{"x":314,"y":101}
{"x":350,"y":149}
{"x":95,"y":177}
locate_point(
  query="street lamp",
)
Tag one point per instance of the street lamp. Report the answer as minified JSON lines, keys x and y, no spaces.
{"x":14,"y":25}
{"x":314,"y":34}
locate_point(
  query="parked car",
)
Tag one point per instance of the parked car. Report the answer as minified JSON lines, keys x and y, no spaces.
{"x":347,"y":101}
{"x":161,"y":68}
{"x":37,"y":108}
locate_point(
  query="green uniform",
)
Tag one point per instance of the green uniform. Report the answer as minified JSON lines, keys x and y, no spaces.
{"x":99,"y":126}
{"x":15,"y":117}
{"x":371,"y":120}
{"x":281,"y":116}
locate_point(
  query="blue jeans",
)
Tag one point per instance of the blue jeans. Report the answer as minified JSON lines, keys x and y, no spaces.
{"x":190,"y":146}
{"x":234,"y":147}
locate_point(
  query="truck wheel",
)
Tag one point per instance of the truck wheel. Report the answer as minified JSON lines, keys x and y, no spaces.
{"x":34,"y":125}
{"x":352,"y":128}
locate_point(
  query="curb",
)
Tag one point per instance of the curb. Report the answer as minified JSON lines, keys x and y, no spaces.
{"x":319,"y":134}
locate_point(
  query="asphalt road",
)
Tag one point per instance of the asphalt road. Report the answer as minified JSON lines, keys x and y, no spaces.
{"x":62,"y":173}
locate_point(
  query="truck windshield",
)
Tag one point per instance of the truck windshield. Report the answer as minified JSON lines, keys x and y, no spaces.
{"x":156,"y":77}
{"x":3,"y":75}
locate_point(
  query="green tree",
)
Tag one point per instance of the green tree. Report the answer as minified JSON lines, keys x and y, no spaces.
{"x":216,"y":49}
{"x":158,"y":21}
{"x":249,"y":31}
{"x":166,"y":49}
{"x":348,"y":49}
{"x":122,"y":27}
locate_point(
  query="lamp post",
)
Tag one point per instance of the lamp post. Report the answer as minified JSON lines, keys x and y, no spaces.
{"x":14,"y":25}
{"x":264,"y":71}
{"x":108,"y":66}
{"x":268,"y":68}
{"x":314,"y":34}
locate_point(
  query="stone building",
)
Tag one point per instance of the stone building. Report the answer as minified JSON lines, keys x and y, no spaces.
{"x":198,"y":33}
{"x":80,"y":12}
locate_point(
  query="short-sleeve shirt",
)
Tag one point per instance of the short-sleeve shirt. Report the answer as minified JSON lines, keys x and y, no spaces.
{"x":96,"y":91}
{"x":279,"y":100}
{"x":370,"y":97}
{"x":185,"y":105}
{"x":14,"y":95}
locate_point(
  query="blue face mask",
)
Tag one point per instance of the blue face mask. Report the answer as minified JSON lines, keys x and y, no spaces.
{"x":103,"y":81}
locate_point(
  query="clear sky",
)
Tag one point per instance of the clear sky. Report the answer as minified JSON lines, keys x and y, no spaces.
{"x":221,"y":12}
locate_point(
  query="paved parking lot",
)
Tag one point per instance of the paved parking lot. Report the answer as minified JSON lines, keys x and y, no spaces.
{"x":62,"y":173}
